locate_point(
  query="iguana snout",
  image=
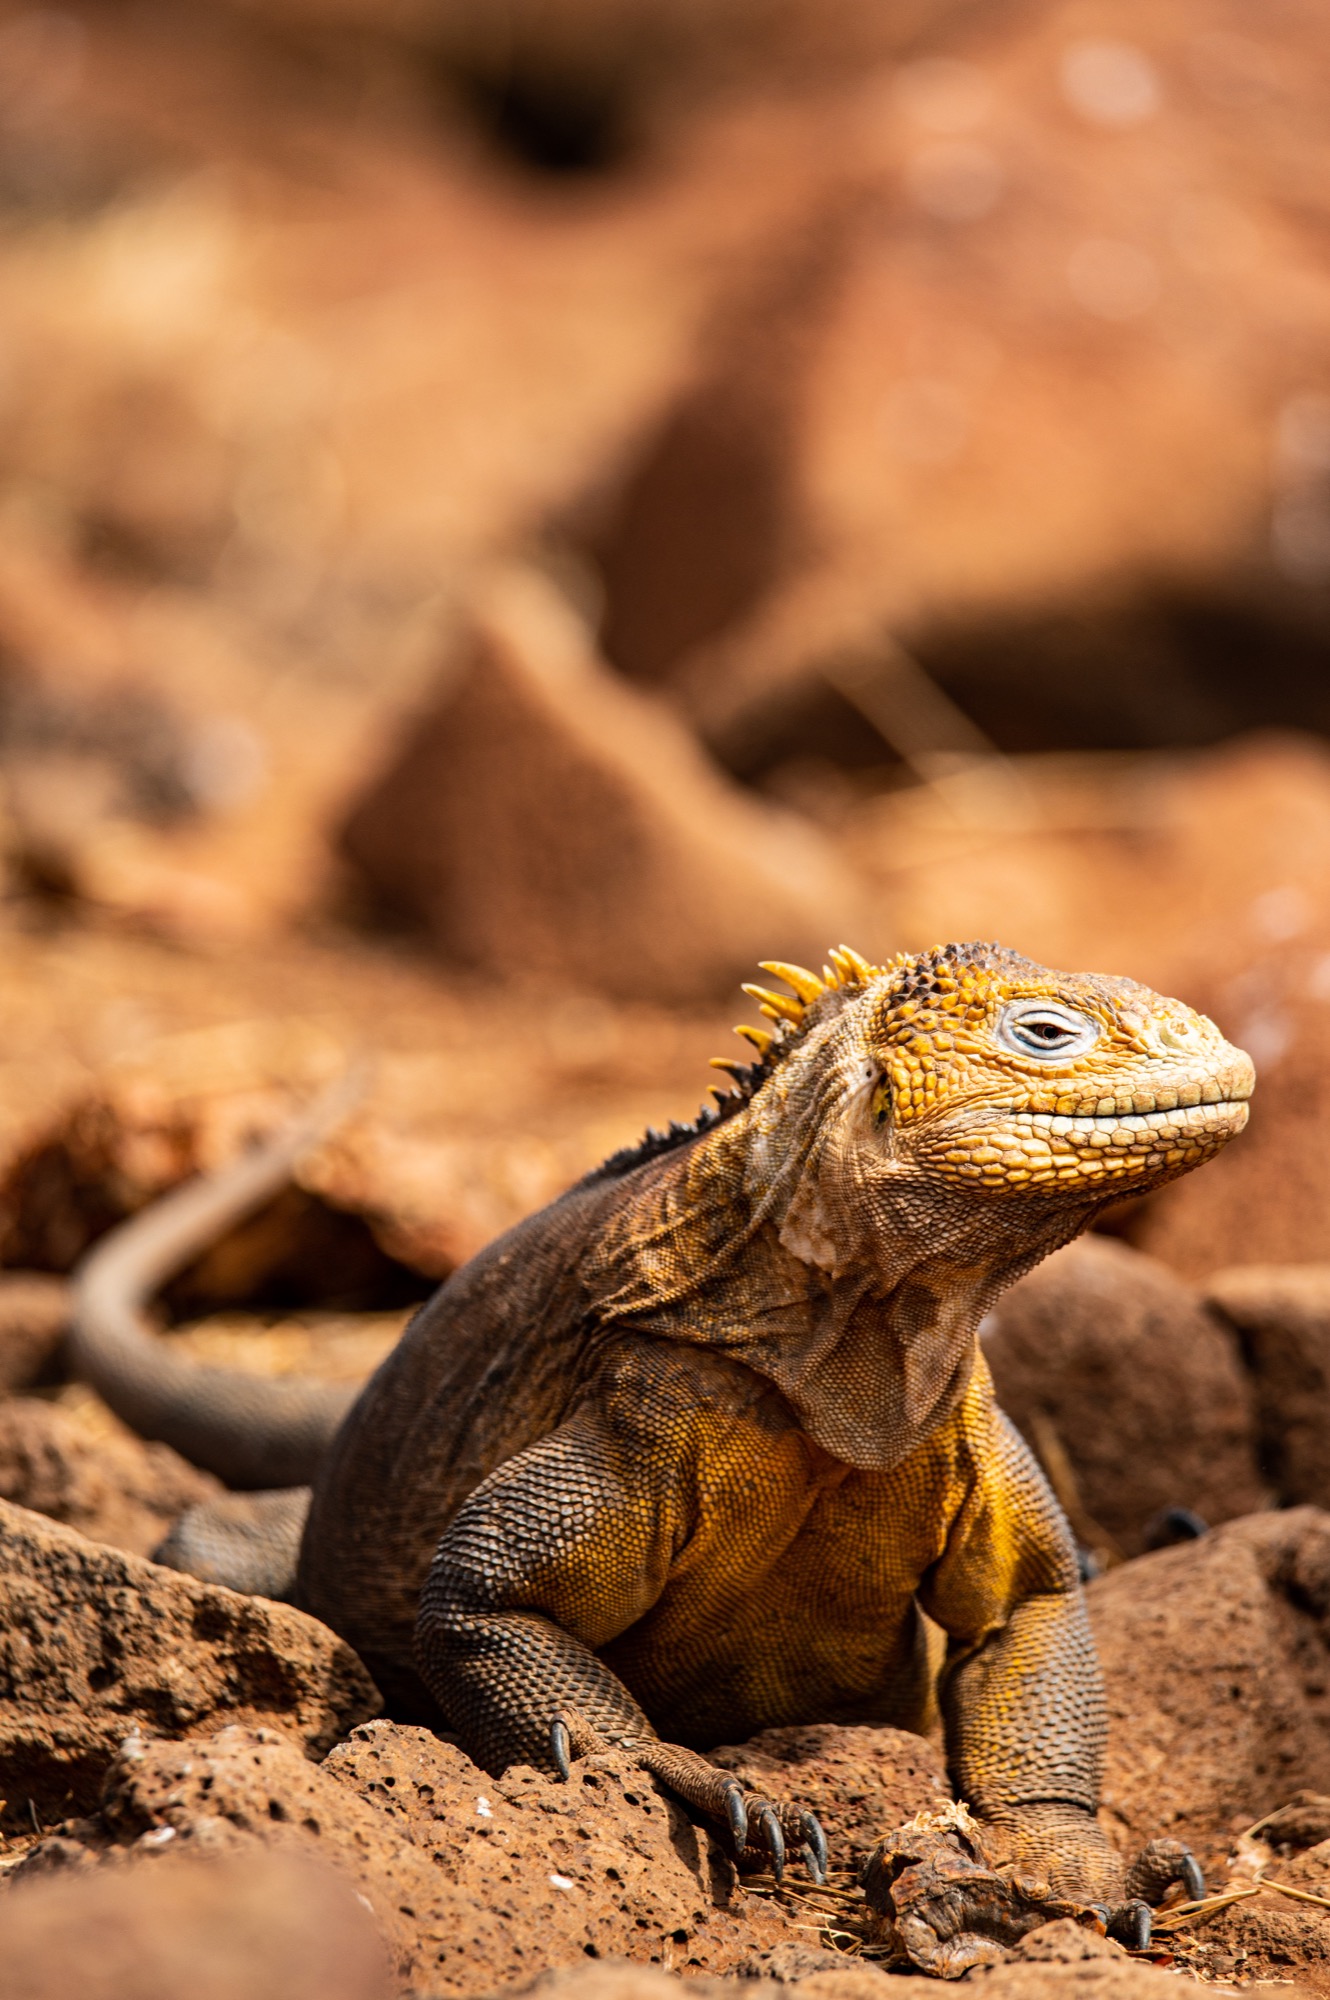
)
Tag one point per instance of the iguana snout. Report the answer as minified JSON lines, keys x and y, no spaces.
{"x":1007,"y":1077}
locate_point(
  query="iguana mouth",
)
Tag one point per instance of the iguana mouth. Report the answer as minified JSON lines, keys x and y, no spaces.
{"x":1181,"y":1119}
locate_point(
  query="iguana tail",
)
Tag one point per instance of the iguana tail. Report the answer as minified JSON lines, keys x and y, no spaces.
{"x":254,"y":1432}
{"x":248,"y":1541}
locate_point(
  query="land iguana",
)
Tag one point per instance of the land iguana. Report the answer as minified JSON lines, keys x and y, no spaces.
{"x":709,"y":1445}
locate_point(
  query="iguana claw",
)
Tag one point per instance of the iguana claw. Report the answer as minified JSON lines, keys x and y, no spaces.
{"x":737,"y":1814}
{"x":759,"y":1827}
{"x":762,"y":1829}
{"x":773,"y":1840}
{"x":1131,"y":1924}
{"x":814,"y":1848}
{"x":561,"y":1749}
{"x":1158,"y":1866}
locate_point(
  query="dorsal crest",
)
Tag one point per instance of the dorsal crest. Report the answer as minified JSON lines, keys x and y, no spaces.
{"x":790,"y":1015}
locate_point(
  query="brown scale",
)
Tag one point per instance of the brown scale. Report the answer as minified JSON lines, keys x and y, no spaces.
{"x":708,"y":1446}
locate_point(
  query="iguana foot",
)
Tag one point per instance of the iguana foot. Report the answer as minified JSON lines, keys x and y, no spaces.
{"x":1065,"y":1844}
{"x":763,"y":1830}
{"x":1056,"y":1843}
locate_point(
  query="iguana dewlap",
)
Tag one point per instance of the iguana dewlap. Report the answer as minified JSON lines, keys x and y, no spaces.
{"x":708,"y":1445}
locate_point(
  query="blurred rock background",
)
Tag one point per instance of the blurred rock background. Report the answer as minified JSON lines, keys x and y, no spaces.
{"x":509,"y":513}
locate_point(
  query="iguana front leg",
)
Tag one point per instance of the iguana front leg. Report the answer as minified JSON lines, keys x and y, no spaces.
{"x":558,"y":1552}
{"x":1026,"y":1726}
{"x":1023,"y":1696}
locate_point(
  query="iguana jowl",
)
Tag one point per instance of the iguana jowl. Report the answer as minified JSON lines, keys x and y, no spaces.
{"x":708,"y":1445}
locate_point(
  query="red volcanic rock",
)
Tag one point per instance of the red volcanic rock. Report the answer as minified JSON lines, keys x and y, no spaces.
{"x":34,"y":1313}
{"x":96,"y":1645}
{"x":544,"y":822}
{"x":474,"y":1882}
{"x":112,"y":1488}
{"x":1217,"y":1660}
{"x":1104,"y":1358}
{"x":1282,"y":1315}
{"x":270,"y":1927}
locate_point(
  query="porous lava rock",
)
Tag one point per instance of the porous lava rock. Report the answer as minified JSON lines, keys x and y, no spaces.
{"x":478,"y":1882}
{"x":271,"y":1927}
{"x":542,"y":821}
{"x":1216,"y":1656}
{"x":607,"y":1865}
{"x":832,"y":1977}
{"x":1021,"y":1978}
{"x":860,"y":1780}
{"x":111,"y":1487}
{"x":474,"y":1881}
{"x":34,"y":1314}
{"x":96,"y":1645}
{"x":1109,"y":1363}
{"x":1269,"y":1939}
{"x":1087,"y":1979}
{"x":241,"y":1791}
{"x":851,"y":1979}
{"x":814,"y":1970}
{"x":617,"y":1979}
{"x":1274,"y":1937}
{"x":1282,"y":1316}
{"x":1065,"y":1942}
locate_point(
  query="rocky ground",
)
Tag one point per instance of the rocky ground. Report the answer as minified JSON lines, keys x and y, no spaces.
{"x":173,"y":1752}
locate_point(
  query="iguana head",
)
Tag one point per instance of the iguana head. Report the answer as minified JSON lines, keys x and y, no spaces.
{"x":910,"y":1139}
{"x":970,"y":1072}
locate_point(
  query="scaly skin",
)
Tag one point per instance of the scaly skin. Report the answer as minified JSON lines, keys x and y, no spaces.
{"x":697,"y":1450}
{"x":708,"y":1445}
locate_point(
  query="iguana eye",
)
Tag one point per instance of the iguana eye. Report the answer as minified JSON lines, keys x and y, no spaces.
{"x":1042,"y":1028}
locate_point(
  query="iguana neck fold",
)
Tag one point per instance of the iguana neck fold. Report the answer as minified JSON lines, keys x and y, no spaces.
{"x":871,"y":1353}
